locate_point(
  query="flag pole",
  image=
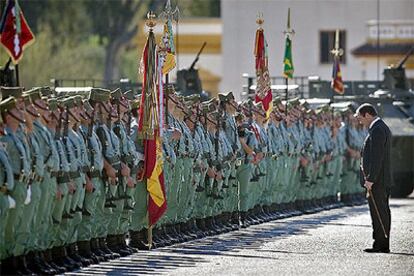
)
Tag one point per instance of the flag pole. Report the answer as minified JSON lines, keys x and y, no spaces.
{"x":169,"y":14}
{"x":337,"y":52}
{"x":16,"y":69}
{"x":286,"y":94}
{"x":287,"y":61}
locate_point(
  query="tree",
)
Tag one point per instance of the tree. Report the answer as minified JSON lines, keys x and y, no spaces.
{"x":116,"y":23}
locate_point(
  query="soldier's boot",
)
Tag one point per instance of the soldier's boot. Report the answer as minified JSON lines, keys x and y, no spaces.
{"x":157,"y":240}
{"x":164,"y":235}
{"x":167,"y":238}
{"x":23,"y":266}
{"x":123,"y":245}
{"x":12,"y":266}
{"x":138,"y":240}
{"x":227,"y":221}
{"x":104,"y":248}
{"x":49,"y":260}
{"x":172,"y":230}
{"x":73,"y":253}
{"x":224,"y":223}
{"x":61,"y":258}
{"x":217,"y":224}
{"x":183,"y":236}
{"x":244,"y":220}
{"x":45,"y":259}
{"x":99,"y":253}
{"x":188,"y":230}
{"x":114,"y":245}
{"x":252,"y":217}
{"x":84,"y":249}
{"x":235,"y":219}
{"x":200,"y":234}
{"x":169,"y":229}
{"x":36,"y":264}
{"x":201,"y":224}
{"x":266,"y":213}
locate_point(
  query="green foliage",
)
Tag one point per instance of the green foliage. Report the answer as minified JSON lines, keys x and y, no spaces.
{"x":88,"y":38}
{"x":199,"y":8}
{"x":41,"y":63}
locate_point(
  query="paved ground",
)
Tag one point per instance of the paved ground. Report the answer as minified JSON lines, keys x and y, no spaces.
{"x":327,"y":243}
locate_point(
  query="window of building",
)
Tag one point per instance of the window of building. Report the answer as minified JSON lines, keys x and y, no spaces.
{"x":327,"y":43}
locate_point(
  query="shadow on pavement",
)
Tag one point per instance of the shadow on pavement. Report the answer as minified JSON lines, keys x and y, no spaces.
{"x":162,"y":260}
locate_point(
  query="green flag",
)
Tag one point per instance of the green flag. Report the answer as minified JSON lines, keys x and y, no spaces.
{"x":287,"y":61}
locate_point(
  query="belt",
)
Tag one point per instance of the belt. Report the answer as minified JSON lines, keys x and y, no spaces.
{"x":38,"y":178}
{"x":54,"y":174}
{"x":3,"y":189}
{"x":127,"y":159}
{"x":95,"y":173}
{"x":63,"y":178}
{"x":74,"y":174}
{"x":113,"y":160}
{"x":21,"y":178}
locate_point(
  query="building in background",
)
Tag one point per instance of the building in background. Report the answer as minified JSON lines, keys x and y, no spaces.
{"x":315,"y":23}
{"x":189,"y":37}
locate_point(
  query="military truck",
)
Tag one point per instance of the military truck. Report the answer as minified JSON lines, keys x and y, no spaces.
{"x":395,"y":104}
{"x":188,"y":80}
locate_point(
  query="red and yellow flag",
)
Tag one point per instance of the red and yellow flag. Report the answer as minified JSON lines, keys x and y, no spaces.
{"x":15,"y":34}
{"x":263,"y":88}
{"x":149,"y":128}
{"x":337,"y":83}
{"x":157,"y":203}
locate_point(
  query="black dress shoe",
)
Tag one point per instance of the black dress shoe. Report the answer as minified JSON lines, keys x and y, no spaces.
{"x":377,"y":250}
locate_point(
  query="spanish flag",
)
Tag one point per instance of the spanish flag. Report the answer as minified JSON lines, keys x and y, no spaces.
{"x":337,"y":83}
{"x":157,"y":204}
{"x":149,"y":129}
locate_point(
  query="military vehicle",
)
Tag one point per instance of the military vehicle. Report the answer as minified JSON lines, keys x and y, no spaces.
{"x":393,"y":97}
{"x":395,"y":104}
{"x":188,"y":80}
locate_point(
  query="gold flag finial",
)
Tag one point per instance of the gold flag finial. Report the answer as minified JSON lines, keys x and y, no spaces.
{"x":259,"y":19}
{"x":151,"y":20}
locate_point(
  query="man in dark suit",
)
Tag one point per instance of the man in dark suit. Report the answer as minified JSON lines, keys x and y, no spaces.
{"x":376,"y":174}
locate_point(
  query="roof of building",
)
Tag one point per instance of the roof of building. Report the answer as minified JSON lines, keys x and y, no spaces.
{"x":384,"y":49}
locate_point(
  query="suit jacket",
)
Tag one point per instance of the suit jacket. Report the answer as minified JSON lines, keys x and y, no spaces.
{"x":376,"y":159}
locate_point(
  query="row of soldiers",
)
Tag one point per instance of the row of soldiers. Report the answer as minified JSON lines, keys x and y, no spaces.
{"x":72,"y":187}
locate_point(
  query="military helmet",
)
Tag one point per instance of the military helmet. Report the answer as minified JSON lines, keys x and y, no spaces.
{"x":15,"y":92}
{"x":53,"y":104}
{"x":100,"y":95}
{"x":8,"y":104}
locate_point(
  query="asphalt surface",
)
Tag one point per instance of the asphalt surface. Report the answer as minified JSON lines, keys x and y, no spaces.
{"x":325,"y":243}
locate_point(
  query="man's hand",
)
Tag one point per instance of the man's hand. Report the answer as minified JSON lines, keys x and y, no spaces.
{"x":110,"y":172}
{"x":89,"y":186}
{"x":125,"y":170}
{"x":211,"y":173}
{"x":130,"y":182}
{"x":176,"y":135}
{"x":368,"y":185}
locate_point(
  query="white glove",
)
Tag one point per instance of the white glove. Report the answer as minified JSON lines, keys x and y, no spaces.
{"x":29,"y":195}
{"x":12,"y":202}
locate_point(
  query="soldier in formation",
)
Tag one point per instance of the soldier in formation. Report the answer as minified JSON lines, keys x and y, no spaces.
{"x":72,"y":189}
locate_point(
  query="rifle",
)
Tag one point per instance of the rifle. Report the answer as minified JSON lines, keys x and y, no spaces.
{"x":198,"y":55}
